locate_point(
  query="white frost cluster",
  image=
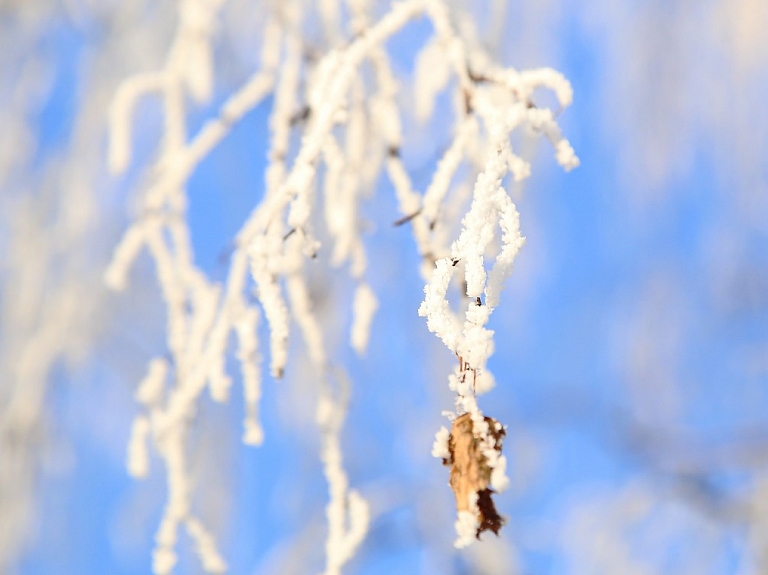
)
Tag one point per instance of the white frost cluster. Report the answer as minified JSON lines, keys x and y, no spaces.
{"x":466,"y":524}
{"x":364,"y":307}
{"x":440,"y":446}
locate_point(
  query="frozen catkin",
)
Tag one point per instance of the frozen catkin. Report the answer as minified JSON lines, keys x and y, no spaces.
{"x":335,"y":126}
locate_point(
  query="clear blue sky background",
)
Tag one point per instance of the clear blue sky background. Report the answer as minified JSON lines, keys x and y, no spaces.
{"x":607,"y":277}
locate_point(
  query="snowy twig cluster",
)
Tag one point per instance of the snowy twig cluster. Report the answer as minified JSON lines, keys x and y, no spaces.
{"x":345,"y":110}
{"x":49,"y":216}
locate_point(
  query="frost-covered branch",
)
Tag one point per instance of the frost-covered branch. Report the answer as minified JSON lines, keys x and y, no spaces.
{"x":500,"y":100}
{"x":344,"y":110}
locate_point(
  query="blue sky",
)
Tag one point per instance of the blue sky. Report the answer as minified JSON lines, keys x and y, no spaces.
{"x":631,"y":339}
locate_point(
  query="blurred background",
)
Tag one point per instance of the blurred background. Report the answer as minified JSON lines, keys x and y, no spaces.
{"x":631,"y":342}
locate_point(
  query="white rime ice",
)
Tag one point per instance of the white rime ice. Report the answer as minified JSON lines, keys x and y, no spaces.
{"x":440,"y":446}
{"x":466,"y":524}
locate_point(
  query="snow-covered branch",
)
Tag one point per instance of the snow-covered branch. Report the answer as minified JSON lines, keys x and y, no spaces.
{"x":345,"y":111}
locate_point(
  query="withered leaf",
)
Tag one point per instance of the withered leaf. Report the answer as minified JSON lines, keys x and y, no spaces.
{"x":470,"y":472}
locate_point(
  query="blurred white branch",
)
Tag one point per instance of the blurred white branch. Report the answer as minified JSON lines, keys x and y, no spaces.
{"x":352,"y":133}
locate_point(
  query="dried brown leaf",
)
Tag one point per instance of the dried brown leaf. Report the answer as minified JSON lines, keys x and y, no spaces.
{"x":470,"y":472}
